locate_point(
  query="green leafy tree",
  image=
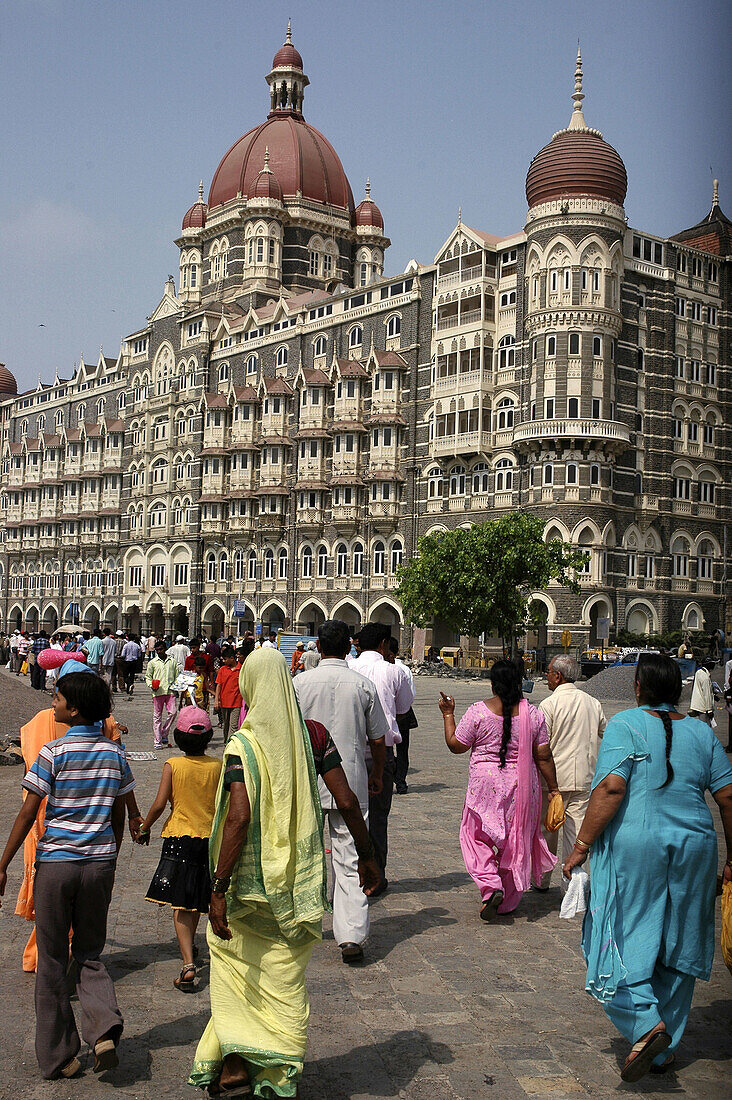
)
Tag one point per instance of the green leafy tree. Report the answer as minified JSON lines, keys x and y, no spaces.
{"x":479,"y":580}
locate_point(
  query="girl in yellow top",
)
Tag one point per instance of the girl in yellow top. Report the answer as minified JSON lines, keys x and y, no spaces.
{"x":189,"y":784}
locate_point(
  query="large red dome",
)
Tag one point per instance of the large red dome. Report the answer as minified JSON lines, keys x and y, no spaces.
{"x":8,"y":385}
{"x":302,"y":159}
{"x":576,"y":162}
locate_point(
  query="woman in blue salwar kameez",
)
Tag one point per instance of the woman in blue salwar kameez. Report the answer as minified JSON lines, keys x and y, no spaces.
{"x":649,"y":929}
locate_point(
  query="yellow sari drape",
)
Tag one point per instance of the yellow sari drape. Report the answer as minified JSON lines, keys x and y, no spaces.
{"x":275,"y":904}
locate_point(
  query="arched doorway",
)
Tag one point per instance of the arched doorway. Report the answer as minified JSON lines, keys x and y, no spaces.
{"x":385,"y":612}
{"x":50,"y":619}
{"x":31,"y":619}
{"x":599,"y":609}
{"x":179,"y":615}
{"x":348,"y":613}
{"x":638,"y":620}
{"x":156,"y":619}
{"x":15,"y":618}
{"x":91,"y":617}
{"x":273,"y":619}
{"x":132,"y":620}
{"x":111,"y":615}
{"x":213,"y":620}
{"x":309,"y":618}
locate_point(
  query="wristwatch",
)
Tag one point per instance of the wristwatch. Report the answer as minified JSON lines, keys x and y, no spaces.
{"x":220,"y":885}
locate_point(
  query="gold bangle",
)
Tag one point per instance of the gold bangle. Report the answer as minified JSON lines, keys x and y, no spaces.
{"x":581,"y":845}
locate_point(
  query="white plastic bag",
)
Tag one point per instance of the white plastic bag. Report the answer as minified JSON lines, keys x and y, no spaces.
{"x":574,"y":903}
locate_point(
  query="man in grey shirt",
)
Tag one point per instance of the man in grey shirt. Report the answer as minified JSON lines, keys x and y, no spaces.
{"x":348,"y":705}
{"x":109,"y":652}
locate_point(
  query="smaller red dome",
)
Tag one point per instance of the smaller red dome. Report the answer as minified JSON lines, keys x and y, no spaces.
{"x":287,"y":57}
{"x":266,"y":186}
{"x":195,"y":218}
{"x":8,"y":385}
{"x":367,"y":212}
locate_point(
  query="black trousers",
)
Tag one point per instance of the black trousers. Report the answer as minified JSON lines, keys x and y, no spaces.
{"x":379,"y":807}
{"x":402,"y":761}
{"x":37,"y":676}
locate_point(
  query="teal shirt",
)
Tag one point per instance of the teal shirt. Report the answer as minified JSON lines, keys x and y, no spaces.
{"x":94,"y":649}
{"x":654,"y":868}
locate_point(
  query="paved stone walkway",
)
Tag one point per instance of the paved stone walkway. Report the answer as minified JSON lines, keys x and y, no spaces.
{"x":446,"y":1008}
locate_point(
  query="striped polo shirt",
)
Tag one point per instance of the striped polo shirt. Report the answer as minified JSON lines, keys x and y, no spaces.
{"x":80,"y":775}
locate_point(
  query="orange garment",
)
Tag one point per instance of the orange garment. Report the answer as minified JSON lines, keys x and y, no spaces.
{"x":33,"y":736}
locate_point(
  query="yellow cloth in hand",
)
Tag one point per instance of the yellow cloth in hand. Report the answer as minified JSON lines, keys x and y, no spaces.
{"x":727,"y":924}
{"x":555,"y":814}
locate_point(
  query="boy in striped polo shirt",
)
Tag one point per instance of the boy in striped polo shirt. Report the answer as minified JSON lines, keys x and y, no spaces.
{"x":84,"y":778}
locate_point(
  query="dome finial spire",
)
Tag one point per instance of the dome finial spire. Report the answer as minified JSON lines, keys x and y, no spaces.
{"x":577,"y":121}
{"x":289,"y":32}
{"x":266,"y":158}
{"x":368,"y":187}
{"x":715,"y":192}
{"x":460,"y":215}
{"x":200,"y":191}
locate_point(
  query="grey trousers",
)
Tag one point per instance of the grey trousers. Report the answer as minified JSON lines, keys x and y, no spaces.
{"x":379,"y":807}
{"x":72,"y":893}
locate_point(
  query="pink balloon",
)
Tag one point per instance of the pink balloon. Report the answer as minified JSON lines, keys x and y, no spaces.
{"x":54,"y":658}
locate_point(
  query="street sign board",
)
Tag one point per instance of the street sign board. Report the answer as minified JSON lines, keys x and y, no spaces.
{"x":258,"y":629}
{"x":603,"y":629}
{"x":240,"y":609}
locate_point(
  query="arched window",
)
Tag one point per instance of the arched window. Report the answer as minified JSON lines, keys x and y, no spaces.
{"x":59,"y":418}
{"x":282,"y":564}
{"x":341,"y":559}
{"x":573,"y":407}
{"x":379,"y":559}
{"x":224,"y":372}
{"x":574,"y":343}
{"x":252,"y":566}
{"x":282,"y":356}
{"x":506,"y":352}
{"x":680,"y":556}
{"x":320,"y":346}
{"x":457,"y":481}
{"x":269,"y":564}
{"x":355,"y":337}
{"x":223,"y":567}
{"x":211,"y":567}
{"x":548,"y":474}
{"x":594,"y":474}
{"x":481,"y":477}
{"x":252,"y":362}
{"x":159,"y":472}
{"x":80,"y":416}
{"x":101,"y":403}
{"x":322,"y":561}
{"x":571,"y":473}
{"x":393,"y":326}
{"x":505,"y":414}
{"x":239,"y":565}
{"x":307,"y":563}
{"x":504,"y":475}
{"x":705,"y":560}
{"x":434,"y":483}
{"x":42,"y":424}
{"x":396,"y":555}
{"x":157,"y":515}
{"x":357,"y":570}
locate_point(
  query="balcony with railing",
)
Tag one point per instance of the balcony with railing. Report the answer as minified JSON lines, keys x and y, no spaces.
{"x":607,"y":431}
{"x":462,"y":443}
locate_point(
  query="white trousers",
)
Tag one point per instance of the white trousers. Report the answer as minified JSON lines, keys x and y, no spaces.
{"x":350,"y":904}
{"x":575,"y":808}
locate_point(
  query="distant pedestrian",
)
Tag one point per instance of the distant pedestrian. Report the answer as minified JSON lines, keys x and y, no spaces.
{"x":182,"y":881}
{"x":202,"y":683}
{"x":311,"y":657}
{"x":702,"y":694}
{"x":227,"y":697}
{"x":406,"y":722}
{"x":84,"y":778}
{"x":296,"y":664}
{"x":94,"y":648}
{"x":118,"y":675}
{"x":179,"y":652}
{"x":131,"y":656}
{"x":38,"y":674}
{"x":109,"y":652}
{"x":574,"y":722}
{"x":160,"y":674}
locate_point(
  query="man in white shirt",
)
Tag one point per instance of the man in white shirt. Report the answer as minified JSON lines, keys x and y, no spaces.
{"x":348,"y":705}
{"x":702,"y":696}
{"x":270,"y":642}
{"x":575,"y":723}
{"x":396,"y":695}
{"x":179,"y":652}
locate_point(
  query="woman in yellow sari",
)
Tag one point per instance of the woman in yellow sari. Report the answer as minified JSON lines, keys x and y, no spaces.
{"x":268,"y":894}
{"x":33,"y":736}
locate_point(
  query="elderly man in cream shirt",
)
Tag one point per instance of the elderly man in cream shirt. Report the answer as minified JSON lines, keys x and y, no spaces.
{"x":575,"y":723}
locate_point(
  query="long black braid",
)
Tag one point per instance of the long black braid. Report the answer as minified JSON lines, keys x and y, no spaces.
{"x":506,"y":684}
{"x":659,"y":680}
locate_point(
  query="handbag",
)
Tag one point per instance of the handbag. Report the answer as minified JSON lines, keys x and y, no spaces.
{"x":555,"y":814}
{"x":24,"y":668}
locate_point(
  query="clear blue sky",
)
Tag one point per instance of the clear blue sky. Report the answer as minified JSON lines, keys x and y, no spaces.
{"x":114,"y":109}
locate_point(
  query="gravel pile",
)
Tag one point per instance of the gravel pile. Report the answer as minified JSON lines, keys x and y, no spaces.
{"x":618,"y":684}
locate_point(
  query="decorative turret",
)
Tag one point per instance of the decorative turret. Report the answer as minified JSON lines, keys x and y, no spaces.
{"x":287,"y":81}
{"x":195,"y":217}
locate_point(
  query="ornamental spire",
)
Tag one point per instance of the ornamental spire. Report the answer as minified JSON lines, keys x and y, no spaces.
{"x":200,"y":191}
{"x":715,"y":192}
{"x":368,"y":187}
{"x":288,"y":40}
{"x":577,"y":121}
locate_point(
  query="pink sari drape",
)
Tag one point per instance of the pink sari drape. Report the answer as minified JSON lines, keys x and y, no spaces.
{"x":526,"y":852}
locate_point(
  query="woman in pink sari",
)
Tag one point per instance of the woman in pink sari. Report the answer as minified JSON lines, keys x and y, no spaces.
{"x":500,"y":834}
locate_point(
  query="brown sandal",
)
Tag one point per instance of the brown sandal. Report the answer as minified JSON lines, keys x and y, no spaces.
{"x":183,"y":982}
{"x":643,"y":1053}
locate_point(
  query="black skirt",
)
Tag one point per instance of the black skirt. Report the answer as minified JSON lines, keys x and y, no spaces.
{"x":182,"y":879}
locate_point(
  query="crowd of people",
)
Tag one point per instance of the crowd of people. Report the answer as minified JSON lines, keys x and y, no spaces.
{"x":243,"y":839}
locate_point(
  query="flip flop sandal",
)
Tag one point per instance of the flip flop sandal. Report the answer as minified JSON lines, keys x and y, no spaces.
{"x":236,"y":1090}
{"x":105,"y":1056}
{"x":645,"y":1051}
{"x":183,"y":982}
{"x":71,"y":1069}
{"x":490,"y":908}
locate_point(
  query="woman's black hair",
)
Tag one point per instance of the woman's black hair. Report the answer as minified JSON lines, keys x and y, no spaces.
{"x":192,"y":744}
{"x":88,"y":693}
{"x":506,"y":683}
{"x":659,"y":680}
